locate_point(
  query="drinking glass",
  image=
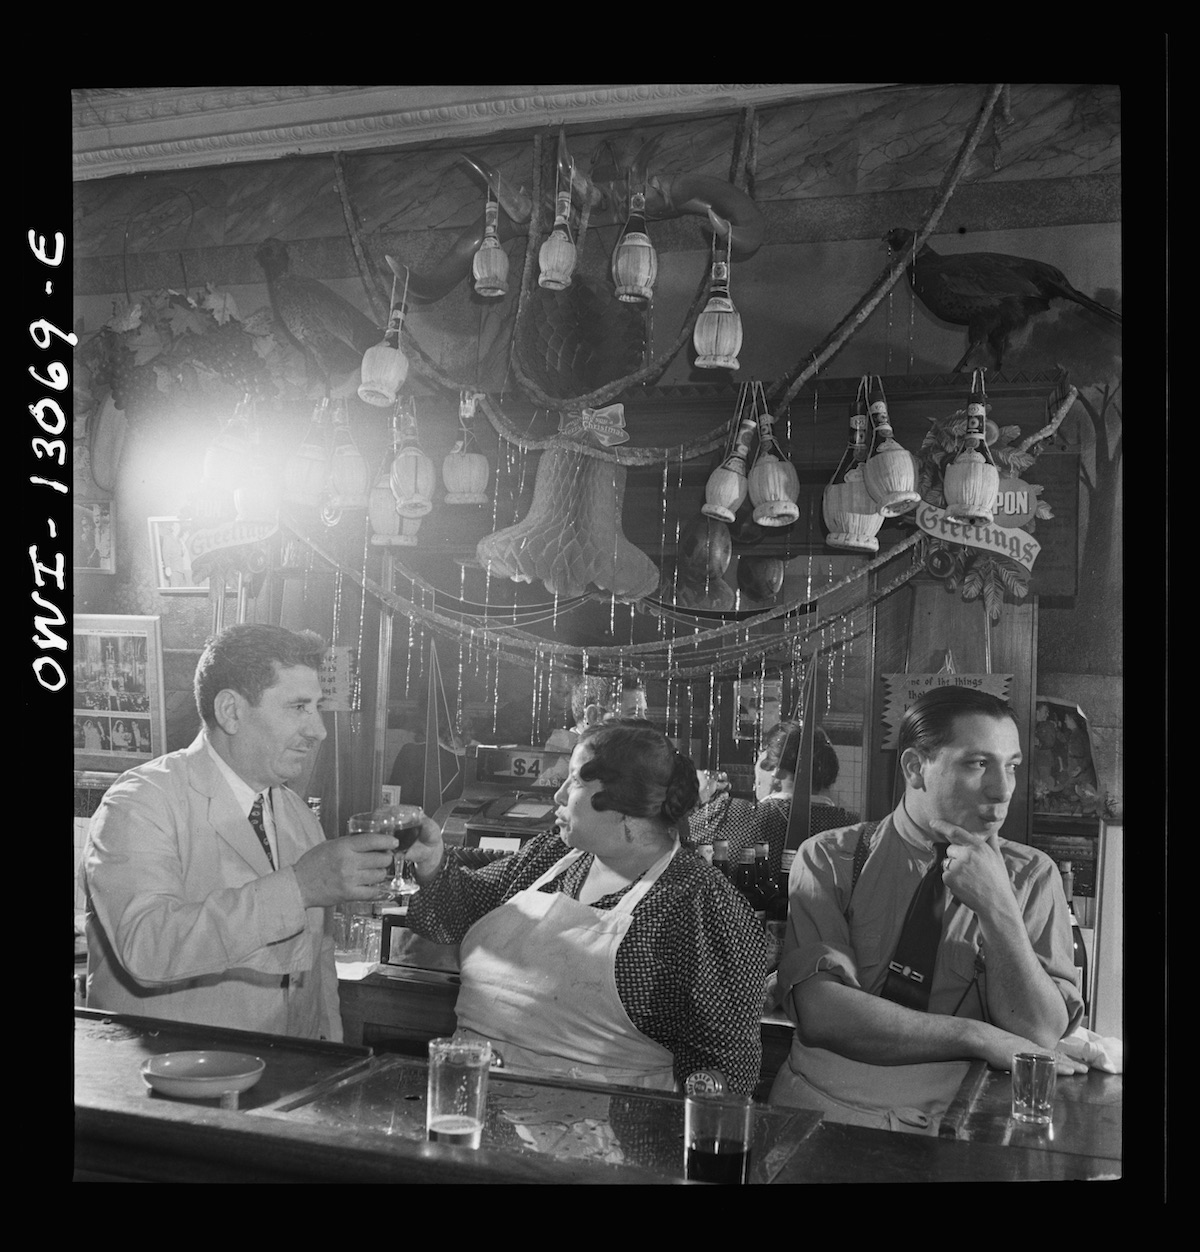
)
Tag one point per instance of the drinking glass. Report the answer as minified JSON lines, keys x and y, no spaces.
{"x":1033,"y":1082}
{"x":457,"y":1091}
{"x":716,"y":1136}
{"x":403,"y":822}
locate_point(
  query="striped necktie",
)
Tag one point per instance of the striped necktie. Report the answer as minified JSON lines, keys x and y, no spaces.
{"x":256,"y":820}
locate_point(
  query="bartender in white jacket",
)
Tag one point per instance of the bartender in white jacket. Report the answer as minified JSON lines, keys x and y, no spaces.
{"x":208,"y":881}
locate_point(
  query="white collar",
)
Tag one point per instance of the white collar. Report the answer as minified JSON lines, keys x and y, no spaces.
{"x":910,"y":832}
{"x":243,"y":793}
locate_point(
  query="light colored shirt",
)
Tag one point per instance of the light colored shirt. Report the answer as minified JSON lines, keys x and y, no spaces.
{"x":245,"y":796}
{"x":857,"y":951}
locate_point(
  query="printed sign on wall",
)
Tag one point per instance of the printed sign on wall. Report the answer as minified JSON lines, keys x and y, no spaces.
{"x":904,"y":689}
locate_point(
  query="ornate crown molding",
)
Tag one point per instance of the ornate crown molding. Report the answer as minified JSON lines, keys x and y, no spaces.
{"x":132,"y":130}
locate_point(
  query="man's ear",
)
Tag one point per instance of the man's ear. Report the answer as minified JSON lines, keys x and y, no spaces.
{"x":912,"y":766}
{"x":227,"y":709}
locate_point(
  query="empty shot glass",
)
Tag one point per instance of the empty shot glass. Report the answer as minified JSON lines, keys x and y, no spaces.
{"x":1033,"y":1082}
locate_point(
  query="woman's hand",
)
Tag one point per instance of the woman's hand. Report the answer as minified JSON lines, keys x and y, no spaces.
{"x":711,"y":784}
{"x":426,"y":851}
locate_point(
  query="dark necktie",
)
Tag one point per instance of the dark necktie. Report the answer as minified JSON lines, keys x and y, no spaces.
{"x":256,"y":820}
{"x":910,"y":972}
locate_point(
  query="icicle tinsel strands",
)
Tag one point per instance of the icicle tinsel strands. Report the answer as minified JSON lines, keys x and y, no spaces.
{"x":722,"y":661}
{"x":515,"y":641}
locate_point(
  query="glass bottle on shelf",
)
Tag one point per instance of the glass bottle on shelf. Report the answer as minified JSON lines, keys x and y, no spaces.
{"x":720,"y":857}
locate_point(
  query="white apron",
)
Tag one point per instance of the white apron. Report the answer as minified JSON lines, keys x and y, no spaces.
{"x":539,"y":982}
{"x":908,"y":1098}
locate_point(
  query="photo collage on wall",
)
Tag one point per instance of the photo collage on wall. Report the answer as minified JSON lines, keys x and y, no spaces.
{"x":117,"y":710}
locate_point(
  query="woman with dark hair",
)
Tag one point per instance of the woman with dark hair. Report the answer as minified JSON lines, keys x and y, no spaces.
{"x":765,"y":819}
{"x":616,"y":958}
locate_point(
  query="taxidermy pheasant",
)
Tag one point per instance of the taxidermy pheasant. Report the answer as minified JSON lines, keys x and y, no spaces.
{"x":331,"y":332}
{"x":991,"y":294}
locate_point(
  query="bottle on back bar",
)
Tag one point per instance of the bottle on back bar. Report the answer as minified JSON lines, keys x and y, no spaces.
{"x":720,"y":857}
{"x":775,"y":917}
{"x":747,"y":883}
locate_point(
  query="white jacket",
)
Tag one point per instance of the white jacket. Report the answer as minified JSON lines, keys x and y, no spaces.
{"x":187,"y":921}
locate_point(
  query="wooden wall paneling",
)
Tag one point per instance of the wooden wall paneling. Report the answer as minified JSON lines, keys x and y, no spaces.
{"x":916,"y":627}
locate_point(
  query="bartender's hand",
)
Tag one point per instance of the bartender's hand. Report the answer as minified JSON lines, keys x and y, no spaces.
{"x":427,"y":851}
{"x":354,"y":867}
{"x":999,"y":1046}
{"x":974,"y":869}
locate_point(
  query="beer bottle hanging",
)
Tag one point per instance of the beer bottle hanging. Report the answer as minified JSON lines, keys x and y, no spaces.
{"x":773,"y":482}
{"x":490,"y":266}
{"x":971,"y":480}
{"x":556,"y":257}
{"x":852,"y":517}
{"x":717,"y":335}
{"x":727,"y":486}
{"x":890,"y":471}
{"x":634,"y":261}
{"x":385,"y":367}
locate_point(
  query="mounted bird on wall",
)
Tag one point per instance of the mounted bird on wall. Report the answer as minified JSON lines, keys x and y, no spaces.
{"x":993,"y":295}
{"x":330,"y":332}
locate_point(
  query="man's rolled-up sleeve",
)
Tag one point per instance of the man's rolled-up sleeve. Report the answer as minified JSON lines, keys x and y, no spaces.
{"x":818,"y":935}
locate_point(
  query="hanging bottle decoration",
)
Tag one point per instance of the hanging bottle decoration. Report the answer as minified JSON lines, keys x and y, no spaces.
{"x":385,"y":367}
{"x":852,"y":517}
{"x":465,"y":469}
{"x":727,"y":486}
{"x":349,"y":479}
{"x":556,"y":257}
{"x":307,"y":468}
{"x":773,"y":482}
{"x":490,"y":266}
{"x":972,"y":480}
{"x":890,"y":471}
{"x":717,"y":335}
{"x":381,"y":504}
{"x":634,"y":261}
{"x":412,"y":476}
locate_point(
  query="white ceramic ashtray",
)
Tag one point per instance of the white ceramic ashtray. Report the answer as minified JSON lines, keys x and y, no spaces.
{"x":203,"y":1075}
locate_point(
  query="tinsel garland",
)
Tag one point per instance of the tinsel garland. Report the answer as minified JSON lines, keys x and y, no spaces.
{"x":518,"y":645}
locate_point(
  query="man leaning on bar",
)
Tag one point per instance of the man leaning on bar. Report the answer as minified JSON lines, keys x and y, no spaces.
{"x":208,"y":881}
{"x":889,"y":1012}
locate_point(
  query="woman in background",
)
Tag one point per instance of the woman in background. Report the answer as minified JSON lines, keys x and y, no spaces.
{"x":765,"y":819}
{"x":601,"y":951}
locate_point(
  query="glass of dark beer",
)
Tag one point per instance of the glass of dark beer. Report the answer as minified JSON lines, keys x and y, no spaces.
{"x":404,"y":821}
{"x":716,"y":1137}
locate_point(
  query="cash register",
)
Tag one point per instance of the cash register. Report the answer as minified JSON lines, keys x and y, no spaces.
{"x":507,"y":799}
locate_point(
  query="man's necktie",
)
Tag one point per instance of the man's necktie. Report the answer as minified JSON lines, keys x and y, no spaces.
{"x":256,"y":820}
{"x":910,"y":972}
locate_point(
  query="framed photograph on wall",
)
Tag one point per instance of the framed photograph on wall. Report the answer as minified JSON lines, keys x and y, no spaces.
{"x":172,"y":560}
{"x":119,"y":705}
{"x":95,"y":539}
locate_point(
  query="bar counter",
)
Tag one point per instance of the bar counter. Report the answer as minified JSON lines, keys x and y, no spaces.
{"x":327,"y":1112}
